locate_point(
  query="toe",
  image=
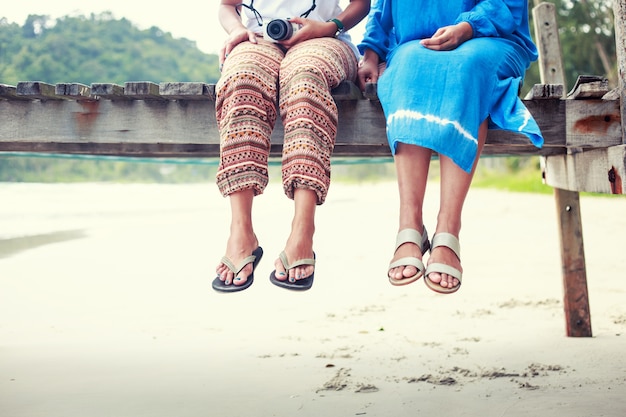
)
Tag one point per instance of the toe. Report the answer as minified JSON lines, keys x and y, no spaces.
{"x":402,"y":272}
{"x":448,"y":281}
{"x":395,"y":273}
{"x":292,"y":275}
{"x":444,"y":281}
{"x":228,"y":278}
{"x":221,"y":271}
{"x":303,"y":272}
{"x":437,"y":278}
{"x":242,"y":276}
{"x":239,"y":280}
{"x":280,"y":273}
{"x":408,"y":271}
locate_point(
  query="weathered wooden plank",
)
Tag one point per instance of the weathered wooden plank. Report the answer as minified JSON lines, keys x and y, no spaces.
{"x":73,"y":91}
{"x":589,"y":86}
{"x":362,"y":124}
{"x":187,"y":91}
{"x":36,"y":90}
{"x":545,"y":92}
{"x":109,"y":91}
{"x":347,"y":91}
{"x":361,"y":127}
{"x":371,"y":91}
{"x":596,"y":170}
{"x":593,"y":123}
{"x":142,"y":90}
{"x":9,"y":92}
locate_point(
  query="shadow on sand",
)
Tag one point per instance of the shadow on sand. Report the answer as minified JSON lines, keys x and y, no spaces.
{"x":12,"y":246}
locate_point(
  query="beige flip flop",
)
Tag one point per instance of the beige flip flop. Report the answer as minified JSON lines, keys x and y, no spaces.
{"x":219,"y":286}
{"x":300,"y":284}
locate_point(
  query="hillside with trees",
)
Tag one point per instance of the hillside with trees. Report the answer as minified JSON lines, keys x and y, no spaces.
{"x":98,"y":49}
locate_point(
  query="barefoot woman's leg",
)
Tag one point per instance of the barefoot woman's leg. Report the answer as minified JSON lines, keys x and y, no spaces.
{"x":412,"y":164}
{"x":242,"y":240}
{"x":300,"y":242}
{"x":455,"y":184}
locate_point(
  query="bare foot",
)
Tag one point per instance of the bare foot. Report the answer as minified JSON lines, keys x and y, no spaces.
{"x":299,"y":246}
{"x":406,"y":265}
{"x":444,"y":255}
{"x":407,"y":271}
{"x":239,"y":247}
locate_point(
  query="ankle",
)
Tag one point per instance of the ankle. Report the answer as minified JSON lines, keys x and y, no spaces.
{"x":453,"y":227}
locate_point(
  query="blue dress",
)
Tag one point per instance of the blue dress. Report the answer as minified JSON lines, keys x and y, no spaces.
{"x":438,"y":99}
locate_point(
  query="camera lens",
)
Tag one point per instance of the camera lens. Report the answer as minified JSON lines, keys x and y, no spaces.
{"x":279,"y":29}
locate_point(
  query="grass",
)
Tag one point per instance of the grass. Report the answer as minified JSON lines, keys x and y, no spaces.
{"x":511,"y":174}
{"x":516,"y":174}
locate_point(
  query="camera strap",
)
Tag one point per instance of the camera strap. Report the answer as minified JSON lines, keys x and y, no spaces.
{"x":259,"y":18}
{"x":308,"y":12}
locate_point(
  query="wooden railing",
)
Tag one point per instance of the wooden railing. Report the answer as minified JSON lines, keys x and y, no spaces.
{"x":145,"y":119}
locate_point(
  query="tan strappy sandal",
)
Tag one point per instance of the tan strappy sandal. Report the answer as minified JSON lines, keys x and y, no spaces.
{"x":415,"y":237}
{"x":450,"y":241}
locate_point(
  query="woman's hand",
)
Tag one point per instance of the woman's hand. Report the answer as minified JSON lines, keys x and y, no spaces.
{"x":235,"y":37}
{"x":368,"y":69}
{"x":230,"y":19}
{"x":309,"y":29}
{"x":448,"y":38}
{"x":354,"y":12}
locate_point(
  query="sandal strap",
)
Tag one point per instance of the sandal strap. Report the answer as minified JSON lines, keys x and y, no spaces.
{"x":408,"y":261}
{"x":448,"y":240}
{"x":443,"y":269}
{"x":288,"y":266}
{"x":230,"y":265}
{"x":413,"y":236}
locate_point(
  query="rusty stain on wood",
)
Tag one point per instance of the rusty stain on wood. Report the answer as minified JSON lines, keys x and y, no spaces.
{"x":615,"y":180}
{"x":85,"y":120}
{"x":598,"y":123}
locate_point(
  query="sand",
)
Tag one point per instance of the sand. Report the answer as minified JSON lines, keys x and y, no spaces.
{"x":106,"y":309}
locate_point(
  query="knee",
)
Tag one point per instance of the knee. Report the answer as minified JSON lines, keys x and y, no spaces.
{"x":301,"y":73}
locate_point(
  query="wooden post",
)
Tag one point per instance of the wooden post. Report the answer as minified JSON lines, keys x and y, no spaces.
{"x":619,"y":10}
{"x":575,"y":295}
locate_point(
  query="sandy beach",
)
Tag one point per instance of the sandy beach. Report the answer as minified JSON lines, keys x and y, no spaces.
{"x":106,"y":309}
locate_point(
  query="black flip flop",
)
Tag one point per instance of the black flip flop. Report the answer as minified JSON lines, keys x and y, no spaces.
{"x":299,"y":284}
{"x":219,"y":286}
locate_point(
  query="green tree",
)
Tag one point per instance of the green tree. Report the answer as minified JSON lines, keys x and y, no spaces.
{"x":587,"y":36}
{"x":95,"y":49}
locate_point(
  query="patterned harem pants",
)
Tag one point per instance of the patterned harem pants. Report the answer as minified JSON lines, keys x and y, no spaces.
{"x":258,"y":77}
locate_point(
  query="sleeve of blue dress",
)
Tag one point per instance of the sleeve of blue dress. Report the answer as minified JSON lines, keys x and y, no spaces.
{"x":378,"y":34}
{"x":503,"y":19}
{"x":495,"y":17}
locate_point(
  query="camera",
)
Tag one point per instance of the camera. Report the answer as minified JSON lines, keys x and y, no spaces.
{"x":279,"y":30}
